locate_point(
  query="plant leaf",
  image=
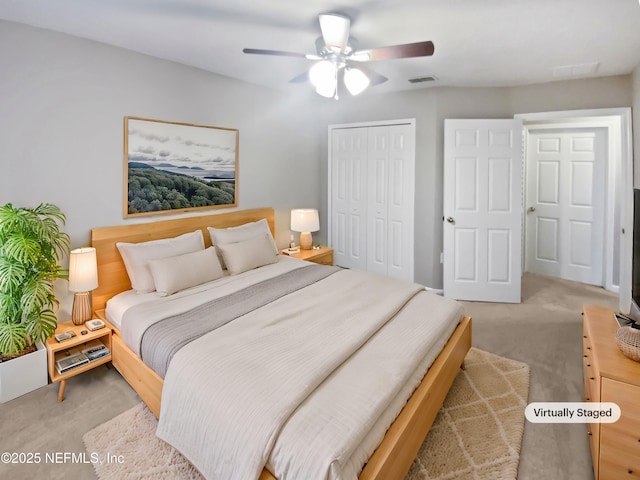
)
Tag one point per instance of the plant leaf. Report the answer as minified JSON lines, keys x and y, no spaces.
{"x":13,"y":338}
{"x":22,"y":248}
{"x":42,"y":325}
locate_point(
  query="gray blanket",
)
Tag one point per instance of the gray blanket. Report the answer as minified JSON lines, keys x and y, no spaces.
{"x":163,"y":339}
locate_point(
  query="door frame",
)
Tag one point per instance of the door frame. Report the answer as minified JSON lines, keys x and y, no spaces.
{"x":618,"y":185}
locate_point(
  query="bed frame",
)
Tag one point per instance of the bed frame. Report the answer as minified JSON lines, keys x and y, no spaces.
{"x":393,"y":457}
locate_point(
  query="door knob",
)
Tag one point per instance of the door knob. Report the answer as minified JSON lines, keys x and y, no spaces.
{"x":531,"y":209}
{"x":451,"y":220}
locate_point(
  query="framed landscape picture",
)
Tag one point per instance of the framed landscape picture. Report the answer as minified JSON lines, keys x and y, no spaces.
{"x":172,"y":167}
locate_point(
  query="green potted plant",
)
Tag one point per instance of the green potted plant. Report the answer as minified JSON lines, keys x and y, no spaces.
{"x":31,"y":245}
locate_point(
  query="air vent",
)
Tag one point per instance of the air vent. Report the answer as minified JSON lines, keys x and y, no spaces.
{"x":578,"y":70}
{"x":427,"y":78}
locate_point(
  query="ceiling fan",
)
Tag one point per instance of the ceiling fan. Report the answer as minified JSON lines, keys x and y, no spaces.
{"x":338,"y":61}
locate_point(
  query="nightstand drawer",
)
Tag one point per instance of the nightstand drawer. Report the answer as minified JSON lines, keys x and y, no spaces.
{"x":322,"y":255}
{"x":324,"y":259}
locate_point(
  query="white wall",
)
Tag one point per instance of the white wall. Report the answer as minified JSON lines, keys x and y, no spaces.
{"x":62,"y":107}
{"x":61,"y":127}
{"x":64,"y":100}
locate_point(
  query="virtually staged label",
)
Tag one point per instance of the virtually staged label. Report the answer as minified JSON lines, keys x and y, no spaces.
{"x":572,"y":412}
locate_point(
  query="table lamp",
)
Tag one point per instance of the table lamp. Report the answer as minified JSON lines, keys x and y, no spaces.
{"x":305,"y":221}
{"x":83,"y":277}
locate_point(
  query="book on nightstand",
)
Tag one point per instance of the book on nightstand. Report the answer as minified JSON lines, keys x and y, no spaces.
{"x":96,"y":349}
{"x":72,"y":361}
{"x":290,"y":251}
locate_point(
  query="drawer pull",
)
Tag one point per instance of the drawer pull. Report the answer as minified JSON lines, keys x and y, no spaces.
{"x":592,"y":378}
{"x":588,"y":364}
{"x":629,"y":471}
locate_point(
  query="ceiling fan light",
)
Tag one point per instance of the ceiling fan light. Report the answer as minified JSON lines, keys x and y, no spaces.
{"x":323,"y":76}
{"x":356,"y":81}
{"x":327,"y":90}
{"x":322,"y":73}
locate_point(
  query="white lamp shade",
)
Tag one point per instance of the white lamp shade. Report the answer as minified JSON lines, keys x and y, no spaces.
{"x":323,"y":76}
{"x":355,"y":80}
{"x":305,"y":220}
{"x":335,"y":30}
{"x":83,"y":270}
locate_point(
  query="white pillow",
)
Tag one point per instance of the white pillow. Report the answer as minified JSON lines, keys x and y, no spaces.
{"x":173,"y":274}
{"x":223,"y":236}
{"x":249,"y":254}
{"x":136,"y":256}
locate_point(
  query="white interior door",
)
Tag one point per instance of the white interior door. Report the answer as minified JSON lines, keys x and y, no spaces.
{"x":401,"y":201}
{"x":390,"y":201}
{"x":482,"y":210}
{"x":348,"y":177}
{"x":378,"y":192}
{"x":565,"y":204}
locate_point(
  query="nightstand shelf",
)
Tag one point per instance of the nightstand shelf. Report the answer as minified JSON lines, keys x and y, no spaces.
{"x":322,"y":255}
{"x":57,"y":350}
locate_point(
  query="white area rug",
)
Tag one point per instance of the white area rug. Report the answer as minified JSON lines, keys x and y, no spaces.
{"x":476,"y":435}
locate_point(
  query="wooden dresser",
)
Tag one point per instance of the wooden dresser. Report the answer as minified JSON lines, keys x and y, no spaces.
{"x":609,"y":376}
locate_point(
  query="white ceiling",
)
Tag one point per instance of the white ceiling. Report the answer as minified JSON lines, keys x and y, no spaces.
{"x":477,"y":42}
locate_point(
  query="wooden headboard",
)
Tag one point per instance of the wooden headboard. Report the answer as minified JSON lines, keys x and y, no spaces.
{"x":112,"y":274}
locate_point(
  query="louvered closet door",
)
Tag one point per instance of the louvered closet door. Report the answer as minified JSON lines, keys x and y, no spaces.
{"x":348,"y":197}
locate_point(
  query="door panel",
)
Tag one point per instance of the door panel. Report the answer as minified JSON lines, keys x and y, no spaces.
{"x":378,"y":158}
{"x":565,"y":200}
{"x":482,"y":209}
{"x":348,"y":177}
{"x":499,"y":263}
{"x":400,"y":208}
{"x":466,"y":260}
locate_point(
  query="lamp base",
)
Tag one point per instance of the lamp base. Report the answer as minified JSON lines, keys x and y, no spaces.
{"x":305,"y":241}
{"x":82,"y":308}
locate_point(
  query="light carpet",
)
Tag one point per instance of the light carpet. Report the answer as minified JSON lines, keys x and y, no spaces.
{"x":476,"y":435}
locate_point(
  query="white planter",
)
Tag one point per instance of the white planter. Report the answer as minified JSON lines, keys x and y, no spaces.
{"x":23,"y":374}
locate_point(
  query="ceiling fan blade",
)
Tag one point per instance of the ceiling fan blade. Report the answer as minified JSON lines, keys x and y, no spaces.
{"x":374,"y":77}
{"x":303,"y":77}
{"x":335,"y":31}
{"x":408,"y":50}
{"x":279,"y":53}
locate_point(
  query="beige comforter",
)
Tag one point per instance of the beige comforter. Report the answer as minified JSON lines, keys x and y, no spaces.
{"x":230,"y":395}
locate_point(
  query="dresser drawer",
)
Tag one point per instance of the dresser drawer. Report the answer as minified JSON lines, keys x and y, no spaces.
{"x":620,"y":441}
{"x":592,"y":394}
{"x":590,"y":370}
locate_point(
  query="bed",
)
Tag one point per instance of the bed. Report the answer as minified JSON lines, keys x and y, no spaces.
{"x":392,"y":453}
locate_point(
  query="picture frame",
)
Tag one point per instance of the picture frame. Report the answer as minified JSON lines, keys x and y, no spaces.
{"x":172,"y":167}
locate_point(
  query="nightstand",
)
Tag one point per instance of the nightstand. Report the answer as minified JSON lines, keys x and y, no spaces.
{"x":322,"y":255}
{"x":58,"y":350}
